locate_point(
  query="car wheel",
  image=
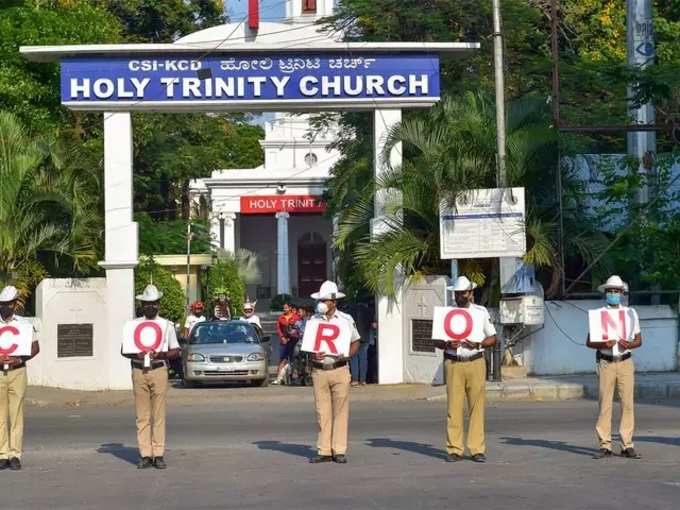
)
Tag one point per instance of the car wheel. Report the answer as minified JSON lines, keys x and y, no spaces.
{"x":262,"y":383}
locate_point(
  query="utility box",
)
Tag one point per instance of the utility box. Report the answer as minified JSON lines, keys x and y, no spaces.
{"x":527,"y":310}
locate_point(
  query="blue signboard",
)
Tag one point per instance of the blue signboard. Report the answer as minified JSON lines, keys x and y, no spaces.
{"x":281,"y":81}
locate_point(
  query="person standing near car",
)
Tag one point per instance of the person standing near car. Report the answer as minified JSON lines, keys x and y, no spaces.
{"x":249,"y":313}
{"x":222,"y":310}
{"x":617,"y":372}
{"x":13,"y":382}
{"x":288,"y":336}
{"x":331,"y":379}
{"x":150,"y":384}
{"x":193,"y":318}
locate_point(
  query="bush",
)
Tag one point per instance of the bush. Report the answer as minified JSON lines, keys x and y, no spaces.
{"x":279,"y":300}
{"x":173,"y":303}
{"x":224,"y":274}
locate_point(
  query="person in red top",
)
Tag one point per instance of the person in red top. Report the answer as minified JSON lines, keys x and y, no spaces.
{"x":289,"y":335}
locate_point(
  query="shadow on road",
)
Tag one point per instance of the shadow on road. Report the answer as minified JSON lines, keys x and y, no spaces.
{"x":552,"y":445}
{"x":301,"y":450}
{"x":407,"y":446}
{"x":671,"y":441}
{"x":119,"y":450}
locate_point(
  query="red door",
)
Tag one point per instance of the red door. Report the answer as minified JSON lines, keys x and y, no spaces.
{"x":311,"y":267}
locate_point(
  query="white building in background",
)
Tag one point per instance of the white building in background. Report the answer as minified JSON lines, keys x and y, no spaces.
{"x":275,"y":210}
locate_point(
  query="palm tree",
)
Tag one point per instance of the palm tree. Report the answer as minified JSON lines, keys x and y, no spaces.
{"x":48,"y":212}
{"x":450,"y":149}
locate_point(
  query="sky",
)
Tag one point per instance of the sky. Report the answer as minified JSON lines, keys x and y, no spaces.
{"x":270,"y":10}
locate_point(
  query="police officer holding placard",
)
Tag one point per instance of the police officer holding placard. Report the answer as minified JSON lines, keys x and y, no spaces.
{"x":13,"y":381}
{"x":331,"y":379}
{"x":617,"y":371}
{"x":150,"y":383}
{"x":465,"y":368}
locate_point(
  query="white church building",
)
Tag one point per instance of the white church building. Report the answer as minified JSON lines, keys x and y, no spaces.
{"x":276,"y":210}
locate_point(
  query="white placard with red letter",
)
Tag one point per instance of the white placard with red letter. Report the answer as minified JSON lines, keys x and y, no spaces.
{"x":332,"y":338}
{"x":16,"y":339}
{"x":145,"y":336}
{"x":456,"y":324}
{"x":607,"y":324}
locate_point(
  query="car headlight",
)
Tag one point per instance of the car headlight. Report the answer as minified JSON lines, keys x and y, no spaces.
{"x":256,"y":356}
{"x":195,"y":356}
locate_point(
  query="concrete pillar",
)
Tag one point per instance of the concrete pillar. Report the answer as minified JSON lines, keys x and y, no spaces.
{"x":389,"y":311}
{"x":229,"y":241}
{"x":121,"y":245}
{"x":215,"y":230}
{"x":282,"y":258}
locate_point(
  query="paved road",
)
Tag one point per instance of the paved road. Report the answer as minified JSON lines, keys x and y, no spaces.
{"x":253,"y":456}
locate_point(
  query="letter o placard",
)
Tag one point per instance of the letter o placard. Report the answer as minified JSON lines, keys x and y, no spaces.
{"x":138,"y":336}
{"x":448,"y":324}
{"x":13,"y":347}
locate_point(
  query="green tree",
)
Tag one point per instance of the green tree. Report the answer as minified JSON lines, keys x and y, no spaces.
{"x":45,"y":208}
{"x":173,"y":303}
{"x":223,"y":277}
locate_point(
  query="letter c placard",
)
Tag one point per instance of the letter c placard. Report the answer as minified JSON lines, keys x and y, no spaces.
{"x":13,"y":347}
{"x":137,"y":336}
{"x":448,"y":324}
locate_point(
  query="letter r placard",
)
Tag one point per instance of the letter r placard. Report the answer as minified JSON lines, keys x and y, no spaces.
{"x":328,"y":337}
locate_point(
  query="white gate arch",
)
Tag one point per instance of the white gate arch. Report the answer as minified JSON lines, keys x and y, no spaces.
{"x":235,"y":68}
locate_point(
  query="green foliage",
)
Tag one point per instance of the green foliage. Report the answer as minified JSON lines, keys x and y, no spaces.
{"x":173,"y":303}
{"x":224,"y":275}
{"x":279,"y":300}
{"x":170,"y":237}
{"x":45,"y":206}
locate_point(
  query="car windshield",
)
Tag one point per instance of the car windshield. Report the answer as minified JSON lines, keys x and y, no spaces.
{"x":234,"y":332}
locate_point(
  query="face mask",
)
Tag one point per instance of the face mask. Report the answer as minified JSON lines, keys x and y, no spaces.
{"x":321,"y":307}
{"x":150,"y":311}
{"x":462,"y":301}
{"x":6,"y":311}
{"x":613,"y":299}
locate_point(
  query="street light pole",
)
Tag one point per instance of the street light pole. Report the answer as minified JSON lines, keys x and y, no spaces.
{"x":188,"y":260}
{"x":501,"y":175}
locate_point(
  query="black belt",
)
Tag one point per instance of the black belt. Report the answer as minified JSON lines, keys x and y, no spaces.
{"x":460,"y":359}
{"x":333,"y":366}
{"x":154,"y":365}
{"x":13,"y":367}
{"x":612,"y":359}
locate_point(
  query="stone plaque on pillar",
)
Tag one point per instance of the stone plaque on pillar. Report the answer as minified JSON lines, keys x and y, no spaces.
{"x":74,"y":340}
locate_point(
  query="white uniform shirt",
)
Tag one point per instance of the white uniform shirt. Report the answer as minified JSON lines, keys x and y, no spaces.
{"x":169,"y":335}
{"x":253,"y":319}
{"x":338,"y":316}
{"x":489,"y":330}
{"x":192,"y":320}
{"x":632,"y":329}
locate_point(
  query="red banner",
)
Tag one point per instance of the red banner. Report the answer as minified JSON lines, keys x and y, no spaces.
{"x":269,"y":204}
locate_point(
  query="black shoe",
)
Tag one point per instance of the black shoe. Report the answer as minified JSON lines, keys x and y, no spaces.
{"x":145,"y":463}
{"x":340,"y":459}
{"x":479,"y":457}
{"x":4,"y":464}
{"x":14,"y":464}
{"x":318,"y":459}
{"x":630,"y":453}
{"x":602,"y":453}
{"x":453,"y":457}
{"x":159,"y":463}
